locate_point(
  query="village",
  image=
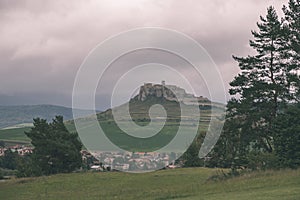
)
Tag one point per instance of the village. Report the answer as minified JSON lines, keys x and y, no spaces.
{"x":113,"y":161}
{"x":129,"y":161}
{"x":20,"y":149}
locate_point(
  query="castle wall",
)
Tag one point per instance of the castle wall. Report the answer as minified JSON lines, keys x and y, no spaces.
{"x":169,"y":92}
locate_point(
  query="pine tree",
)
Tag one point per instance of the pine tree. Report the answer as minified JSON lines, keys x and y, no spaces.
{"x":287,"y":129}
{"x":56,"y":150}
{"x":292,"y":30}
{"x":259,"y":92}
{"x":261,"y":85}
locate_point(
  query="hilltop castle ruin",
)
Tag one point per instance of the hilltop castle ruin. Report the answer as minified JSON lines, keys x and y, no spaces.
{"x":169,"y":92}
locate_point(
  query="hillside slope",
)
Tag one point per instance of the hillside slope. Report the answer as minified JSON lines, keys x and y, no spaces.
{"x":13,"y":115}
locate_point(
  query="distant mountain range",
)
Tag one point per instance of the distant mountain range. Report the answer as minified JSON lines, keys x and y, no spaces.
{"x":23,"y":114}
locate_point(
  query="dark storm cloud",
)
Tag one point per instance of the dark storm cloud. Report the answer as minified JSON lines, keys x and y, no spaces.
{"x":43,"y":43}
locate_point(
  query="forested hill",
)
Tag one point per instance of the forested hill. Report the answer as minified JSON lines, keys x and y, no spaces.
{"x":12,"y":115}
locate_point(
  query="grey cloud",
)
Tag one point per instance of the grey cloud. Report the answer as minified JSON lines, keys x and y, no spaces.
{"x":43,"y":43}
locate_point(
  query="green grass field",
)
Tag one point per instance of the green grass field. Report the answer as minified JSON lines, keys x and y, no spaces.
{"x":15,"y":135}
{"x":189,"y":183}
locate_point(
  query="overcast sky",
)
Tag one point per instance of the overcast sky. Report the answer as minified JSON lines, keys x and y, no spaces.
{"x":43,"y":43}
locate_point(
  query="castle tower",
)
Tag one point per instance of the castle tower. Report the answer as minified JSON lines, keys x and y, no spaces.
{"x":163,"y":83}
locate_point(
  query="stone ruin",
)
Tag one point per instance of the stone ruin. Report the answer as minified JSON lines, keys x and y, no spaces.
{"x":169,"y":92}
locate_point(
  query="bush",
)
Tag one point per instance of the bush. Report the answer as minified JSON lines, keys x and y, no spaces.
{"x":7,"y":172}
{"x":1,"y":174}
{"x":262,"y":161}
{"x":27,"y":168}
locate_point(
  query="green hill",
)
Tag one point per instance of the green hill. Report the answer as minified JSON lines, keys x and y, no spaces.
{"x":139,"y":112}
{"x":14,"y":115}
{"x":15,"y":135}
{"x":189,"y":183}
{"x":14,"y":120}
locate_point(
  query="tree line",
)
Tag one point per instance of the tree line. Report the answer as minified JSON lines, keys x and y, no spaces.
{"x":262,"y":127}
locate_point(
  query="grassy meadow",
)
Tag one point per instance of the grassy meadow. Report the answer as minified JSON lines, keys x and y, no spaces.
{"x":189,"y":183}
{"x":14,"y":135}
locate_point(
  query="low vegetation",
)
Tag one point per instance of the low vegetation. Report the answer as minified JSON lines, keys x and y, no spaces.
{"x":189,"y":183}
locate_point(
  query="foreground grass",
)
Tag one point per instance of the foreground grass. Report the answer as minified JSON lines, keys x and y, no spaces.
{"x":169,"y":184}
